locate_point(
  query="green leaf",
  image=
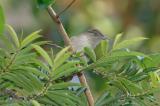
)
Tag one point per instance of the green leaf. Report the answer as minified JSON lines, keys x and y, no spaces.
{"x":57,"y":97}
{"x":153,"y":62}
{"x":117,"y":83}
{"x":43,"y":53}
{"x":65,"y":73}
{"x":81,"y":90}
{"x":132,"y":70}
{"x":117,"y":39}
{"x":61,"y":57}
{"x":34,"y":71}
{"x":116,"y":56}
{"x":64,"y":85}
{"x":127,"y":53}
{"x":35,"y":83}
{"x":132,"y":88}
{"x":47,"y":101}
{"x":44,"y":3}
{"x":43,"y":43}
{"x":35,"y":103}
{"x":2,"y":20}
{"x":41,"y":64}
{"x":66,"y":66}
{"x":30,"y":38}
{"x":20,"y":80}
{"x":90,"y":53}
{"x":83,"y":61}
{"x":101,"y":99}
{"x":154,"y":79}
{"x":13,"y":35}
{"x":101,"y":49}
{"x":127,"y":43}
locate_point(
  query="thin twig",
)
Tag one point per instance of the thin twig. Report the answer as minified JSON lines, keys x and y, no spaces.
{"x":67,"y":42}
{"x":66,"y":8}
{"x":55,"y":45}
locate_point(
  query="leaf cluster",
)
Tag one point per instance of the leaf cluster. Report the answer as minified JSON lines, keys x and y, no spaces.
{"x":30,"y":76}
{"x":132,"y":78}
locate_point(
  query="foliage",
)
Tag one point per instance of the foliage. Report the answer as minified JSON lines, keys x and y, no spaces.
{"x":2,"y":20}
{"x":45,"y":3}
{"x":131,"y":77}
{"x":29,"y":76}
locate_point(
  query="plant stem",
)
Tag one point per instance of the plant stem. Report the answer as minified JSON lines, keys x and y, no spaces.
{"x":67,"y":42}
{"x":70,"y":4}
{"x":88,"y":93}
{"x":60,"y":27}
{"x":5,"y":69}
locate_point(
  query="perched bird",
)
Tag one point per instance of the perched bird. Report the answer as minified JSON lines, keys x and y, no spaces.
{"x":91,"y":39}
{"x":87,"y":39}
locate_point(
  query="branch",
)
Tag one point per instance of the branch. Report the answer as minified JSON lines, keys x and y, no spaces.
{"x":67,"y":42}
{"x":68,"y":6}
{"x":60,"y":27}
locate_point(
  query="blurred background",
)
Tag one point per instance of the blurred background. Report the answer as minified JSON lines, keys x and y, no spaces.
{"x":134,"y":18}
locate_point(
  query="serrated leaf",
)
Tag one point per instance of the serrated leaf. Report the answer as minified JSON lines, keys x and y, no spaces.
{"x":2,"y":20}
{"x":30,"y":38}
{"x":44,"y":54}
{"x":90,"y":53}
{"x":127,"y":43}
{"x":13,"y":36}
{"x":44,"y":3}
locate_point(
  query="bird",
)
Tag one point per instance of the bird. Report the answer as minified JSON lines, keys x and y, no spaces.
{"x":90,"y":38}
